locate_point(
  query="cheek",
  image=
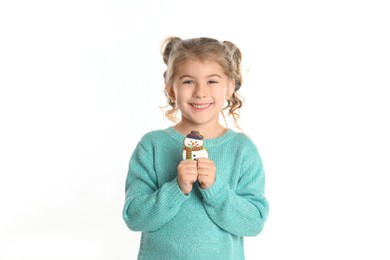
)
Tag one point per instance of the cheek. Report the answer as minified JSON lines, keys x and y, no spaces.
{"x":183,"y":94}
{"x":179,"y":97}
{"x":222,"y":95}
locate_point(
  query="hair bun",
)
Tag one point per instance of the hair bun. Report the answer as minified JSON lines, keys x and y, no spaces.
{"x":167,"y":46}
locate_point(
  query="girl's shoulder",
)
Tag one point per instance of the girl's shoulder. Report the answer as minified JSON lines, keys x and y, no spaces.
{"x":246,"y":141}
{"x":236,"y":141}
{"x":160,"y":136}
{"x":243,"y":139}
{"x":152,"y":134}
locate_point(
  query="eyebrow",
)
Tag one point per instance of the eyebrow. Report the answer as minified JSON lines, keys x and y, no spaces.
{"x":208,"y":76}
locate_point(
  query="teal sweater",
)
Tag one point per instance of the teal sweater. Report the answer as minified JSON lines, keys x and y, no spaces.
{"x":207,"y":223}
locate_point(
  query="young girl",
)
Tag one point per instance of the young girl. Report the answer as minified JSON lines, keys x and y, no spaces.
{"x":197,"y":209}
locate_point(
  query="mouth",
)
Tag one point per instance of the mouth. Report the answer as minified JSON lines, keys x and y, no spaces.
{"x":201,"y":106}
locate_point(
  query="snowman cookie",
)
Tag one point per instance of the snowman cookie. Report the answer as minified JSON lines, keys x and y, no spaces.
{"x":193,"y":147}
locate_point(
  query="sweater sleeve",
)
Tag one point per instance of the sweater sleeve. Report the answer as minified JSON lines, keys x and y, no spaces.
{"x":241,"y":212}
{"x":147,"y":206}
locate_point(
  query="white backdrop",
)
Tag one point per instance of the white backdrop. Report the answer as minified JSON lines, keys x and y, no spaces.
{"x":81,"y":82}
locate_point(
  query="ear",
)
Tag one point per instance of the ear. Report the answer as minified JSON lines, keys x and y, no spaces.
{"x":230,"y":89}
{"x":170,"y":92}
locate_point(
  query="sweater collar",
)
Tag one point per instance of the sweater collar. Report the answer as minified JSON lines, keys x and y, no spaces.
{"x":229,"y":134}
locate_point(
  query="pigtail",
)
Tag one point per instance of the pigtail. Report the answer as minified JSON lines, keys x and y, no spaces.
{"x":235,"y":101}
{"x":167,"y":46}
{"x":166,"y":49}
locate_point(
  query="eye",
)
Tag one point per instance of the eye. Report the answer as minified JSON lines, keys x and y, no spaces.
{"x":212,"y":81}
{"x":188,"y":82}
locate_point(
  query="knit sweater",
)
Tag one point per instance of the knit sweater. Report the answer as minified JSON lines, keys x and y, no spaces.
{"x":207,"y":223}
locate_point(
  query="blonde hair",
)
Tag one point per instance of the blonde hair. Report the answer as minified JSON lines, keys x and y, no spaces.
{"x":175,"y":50}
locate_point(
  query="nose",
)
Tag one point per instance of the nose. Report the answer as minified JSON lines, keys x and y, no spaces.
{"x":200,"y":91}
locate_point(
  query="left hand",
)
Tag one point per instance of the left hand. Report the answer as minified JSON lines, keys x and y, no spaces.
{"x":206,"y":172}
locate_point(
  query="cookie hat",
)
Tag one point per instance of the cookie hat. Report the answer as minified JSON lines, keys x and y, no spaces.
{"x":195,"y":135}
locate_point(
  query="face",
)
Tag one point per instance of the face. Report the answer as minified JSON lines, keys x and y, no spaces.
{"x":192,"y":142}
{"x":200,"y":89}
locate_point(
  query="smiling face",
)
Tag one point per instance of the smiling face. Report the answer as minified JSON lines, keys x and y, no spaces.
{"x":189,"y":142}
{"x":200,"y":89}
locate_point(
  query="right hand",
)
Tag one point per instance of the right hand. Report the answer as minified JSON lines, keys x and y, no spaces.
{"x":187,"y":175}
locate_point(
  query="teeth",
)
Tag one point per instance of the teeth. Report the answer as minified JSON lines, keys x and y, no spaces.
{"x":200,"y":105}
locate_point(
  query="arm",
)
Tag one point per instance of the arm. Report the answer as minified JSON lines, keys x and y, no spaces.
{"x":148,"y":207}
{"x":243,"y":211}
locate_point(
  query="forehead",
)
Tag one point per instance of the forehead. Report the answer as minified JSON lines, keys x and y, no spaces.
{"x":196,"y":67}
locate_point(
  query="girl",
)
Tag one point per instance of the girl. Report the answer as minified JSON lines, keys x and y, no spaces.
{"x":197,"y":209}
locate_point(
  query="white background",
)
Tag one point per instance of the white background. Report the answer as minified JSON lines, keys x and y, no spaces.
{"x":81,"y":82}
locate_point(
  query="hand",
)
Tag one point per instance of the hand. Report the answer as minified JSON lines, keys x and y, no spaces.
{"x":187,"y":175}
{"x":206,"y":172}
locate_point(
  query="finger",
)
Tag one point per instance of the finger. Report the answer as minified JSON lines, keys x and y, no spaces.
{"x":203,"y":172}
{"x":187,"y":165}
{"x":202,"y":160}
{"x":188,"y":162}
{"x":205,"y":162}
{"x":207,"y":168}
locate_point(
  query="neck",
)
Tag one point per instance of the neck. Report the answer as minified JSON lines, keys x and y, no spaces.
{"x":208,"y":132}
